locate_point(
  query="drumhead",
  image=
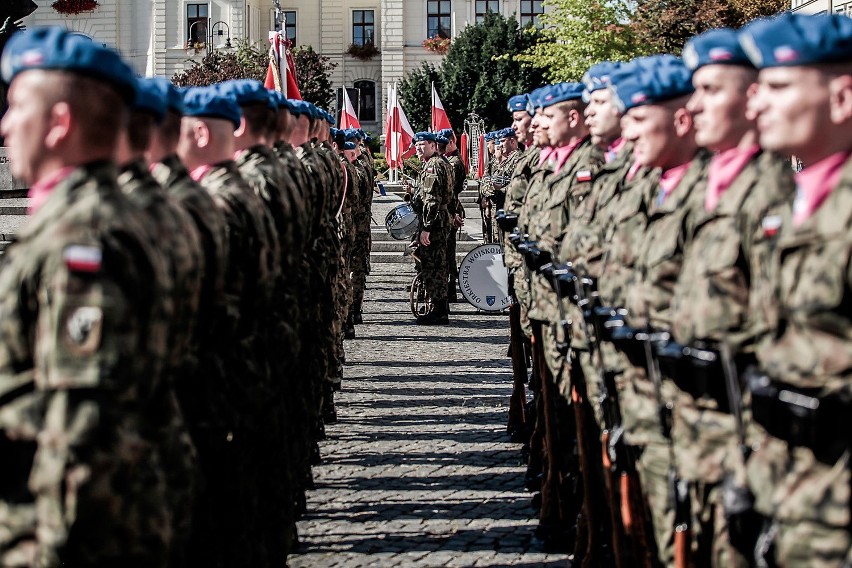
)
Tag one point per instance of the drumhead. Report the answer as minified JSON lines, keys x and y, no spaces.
{"x":402,"y":222}
{"x":483,"y":279}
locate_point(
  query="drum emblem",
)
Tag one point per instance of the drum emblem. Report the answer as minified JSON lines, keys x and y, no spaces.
{"x":490,"y":300}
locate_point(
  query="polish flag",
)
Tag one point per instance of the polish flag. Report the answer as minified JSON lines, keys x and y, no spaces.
{"x":348,"y":118}
{"x":440,"y":120}
{"x":398,"y":132}
{"x":281,"y":73}
{"x":463,"y":151}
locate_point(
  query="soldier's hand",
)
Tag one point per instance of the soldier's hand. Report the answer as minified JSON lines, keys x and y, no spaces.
{"x":457,"y":221}
{"x":424,"y":238}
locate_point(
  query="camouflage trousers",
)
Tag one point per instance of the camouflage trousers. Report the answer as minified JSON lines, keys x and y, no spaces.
{"x":807,"y":500}
{"x":522,"y":292}
{"x":452,"y":266}
{"x":433,"y":265}
{"x":653,"y":467}
{"x":360,"y":268}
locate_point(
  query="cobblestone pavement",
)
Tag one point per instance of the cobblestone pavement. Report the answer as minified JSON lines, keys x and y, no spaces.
{"x":418,"y":470}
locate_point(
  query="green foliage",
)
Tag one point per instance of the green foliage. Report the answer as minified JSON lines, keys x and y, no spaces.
{"x":666,"y":25}
{"x":415,"y":93}
{"x":246,"y":62}
{"x":251,"y":62}
{"x":313,"y":72}
{"x":579,"y":33}
{"x":478,"y":74}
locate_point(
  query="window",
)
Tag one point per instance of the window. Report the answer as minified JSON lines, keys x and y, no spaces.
{"x":196,"y":23}
{"x":485,"y":6}
{"x":289,"y":25}
{"x":844,"y":8}
{"x":367,"y":94}
{"x":530,"y":11}
{"x":363,"y":27}
{"x":438,"y":21}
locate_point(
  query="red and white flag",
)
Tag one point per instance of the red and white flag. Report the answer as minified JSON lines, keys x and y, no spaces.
{"x":440,"y":120}
{"x":398,"y":132}
{"x":348,"y":118}
{"x":281,"y":73}
{"x":480,"y":166}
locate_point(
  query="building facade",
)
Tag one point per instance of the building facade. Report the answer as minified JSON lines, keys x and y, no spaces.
{"x":162,"y":37}
{"x":822,"y":6}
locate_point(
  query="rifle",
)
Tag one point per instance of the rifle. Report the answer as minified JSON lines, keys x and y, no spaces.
{"x":678,"y":488}
{"x":517,"y":401}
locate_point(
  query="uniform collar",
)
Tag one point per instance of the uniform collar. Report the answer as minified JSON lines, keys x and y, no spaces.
{"x":815,"y":183}
{"x":41,"y":190}
{"x":724,"y":169}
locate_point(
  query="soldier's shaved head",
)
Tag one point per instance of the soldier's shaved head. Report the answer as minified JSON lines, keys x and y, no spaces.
{"x":205,"y":141}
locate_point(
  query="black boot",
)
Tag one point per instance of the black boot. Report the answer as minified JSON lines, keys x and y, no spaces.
{"x":438,"y":316}
{"x":359,"y":319}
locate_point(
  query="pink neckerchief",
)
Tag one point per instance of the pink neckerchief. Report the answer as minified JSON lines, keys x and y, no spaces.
{"x":670,"y":179}
{"x":815,"y":183}
{"x":634,"y":169}
{"x":198,"y":173}
{"x":545,"y":154}
{"x":41,"y":190}
{"x":613,"y":150}
{"x":724,"y":169}
{"x":561,"y":154}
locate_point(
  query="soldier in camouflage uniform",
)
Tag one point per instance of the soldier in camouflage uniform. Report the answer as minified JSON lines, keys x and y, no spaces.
{"x":800,"y":468}
{"x":228,"y":443}
{"x":83,"y":342}
{"x":660,"y":129}
{"x":459,"y":176}
{"x":502,"y":175}
{"x":710,"y":306}
{"x":175,"y":235}
{"x":360,"y":264}
{"x":431,"y":202}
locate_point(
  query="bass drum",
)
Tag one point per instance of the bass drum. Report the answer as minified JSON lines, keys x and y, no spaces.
{"x":402,"y":222}
{"x":484,"y":280}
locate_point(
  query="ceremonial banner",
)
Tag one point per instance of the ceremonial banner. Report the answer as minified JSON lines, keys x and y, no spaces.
{"x":398,"y":132}
{"x":281,"y":73}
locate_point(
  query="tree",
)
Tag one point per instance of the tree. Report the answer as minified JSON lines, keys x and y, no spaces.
{"x":250,"y":62}
{"x":415,"y":91}
{"x":478,"y":74}
{"x":579,"y":33}
{"x":313,"y":73}
{"x":668,"y":24}
{"x":480,"y":71}
{"x":246,"y":62}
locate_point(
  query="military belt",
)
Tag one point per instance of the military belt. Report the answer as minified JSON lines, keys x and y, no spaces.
{"x":802,"y":417}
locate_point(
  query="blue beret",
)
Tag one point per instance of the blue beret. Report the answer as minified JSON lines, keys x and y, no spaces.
{"x":447,"y":133}
{"x":425,"y":137}
{"x":349,"y":146}
{"x":351,"y":133}
{"x":247,"y":92}
{"x":505,"y":133}
{"x":650,"y":80}
{"x":333,"y":132}
{"x":534,"y":98}
{"x":209,"y":102}
{"x":297,"y":107}
{"x":441,"y":139}
{"x":561,"y":92}
{"x":716,"y":47}
{"x":489,"y":136}
{"x":325,"y":115}
{"x":152,"y":97}
{"x":518,"y":103}
{"x":366,"y":136}
{"x":798,"y":39}
{"x":57,"y":49}
{"x":598,"y":77}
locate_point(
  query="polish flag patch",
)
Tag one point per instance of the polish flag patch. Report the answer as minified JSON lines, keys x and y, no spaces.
{"x":584,"y":175}
{"x":771,"y":225}
{"x":81,"y":258}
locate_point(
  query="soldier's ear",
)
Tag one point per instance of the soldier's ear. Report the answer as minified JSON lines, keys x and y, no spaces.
{"x":201,"y":133}
{"x":840,"y":99}
{"x":682,"y":122}
{"x":241,"y":129}
{"x":61,"y":121}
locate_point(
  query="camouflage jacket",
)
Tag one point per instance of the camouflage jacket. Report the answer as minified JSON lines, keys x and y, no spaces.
{"x":515,"y":196}
{"x":564,"y":188}
{"x":251,"y":267}
{"x":303,"y":191}
{"x":711,"y":298}
{"x":435,"y":193}
{"x":176,"y":237}
{"x":502,"y":178}
{"x":459,"y":182}
{"x":210,"y":224}
{"x":660,"y":247}
{"x":84,"y":300}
